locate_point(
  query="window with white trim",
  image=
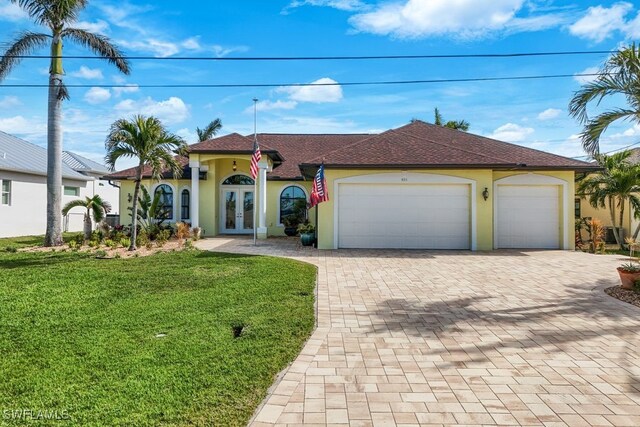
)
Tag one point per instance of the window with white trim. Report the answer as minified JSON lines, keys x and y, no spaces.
{"x":5,"y":196}
{"x":293,"y":201}
{"x":166,"y":200}
{"x":71,"y":191}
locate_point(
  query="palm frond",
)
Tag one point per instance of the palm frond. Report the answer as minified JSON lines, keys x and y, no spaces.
{"x":100,"y":45}
{"x":52,"y":13}
{"x":595,"y":127}
{"x":79,"y":203}
{"x":209,"y":131}
{"x":24,"y":44}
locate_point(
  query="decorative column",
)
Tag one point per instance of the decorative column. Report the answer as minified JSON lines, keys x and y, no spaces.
{"x":195,"y":193}
{"x":262,"y":210}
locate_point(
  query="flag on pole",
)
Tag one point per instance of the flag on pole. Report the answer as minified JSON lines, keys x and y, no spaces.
{"x":255,"y":159}
{"x":319,"y":192}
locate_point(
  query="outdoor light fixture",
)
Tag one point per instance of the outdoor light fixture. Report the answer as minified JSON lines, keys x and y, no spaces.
{"x":235,"y":166}
{"x":485,"y":194}
{"x":129,"y":198}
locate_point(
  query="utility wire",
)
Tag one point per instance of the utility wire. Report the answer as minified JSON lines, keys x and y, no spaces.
{"x":271,"y":85}
{"x":609,"y":152}
{"x":322,"y":58}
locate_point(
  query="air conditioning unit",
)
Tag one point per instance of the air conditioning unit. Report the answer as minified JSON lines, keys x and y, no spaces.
{"x":609,"y":238}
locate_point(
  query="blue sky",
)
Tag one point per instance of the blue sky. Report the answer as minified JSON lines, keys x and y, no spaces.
{"x":531,"y":113}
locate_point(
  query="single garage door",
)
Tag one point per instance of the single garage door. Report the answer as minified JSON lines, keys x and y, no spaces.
{"x":414,"y":216}
{"x":528,"y":217}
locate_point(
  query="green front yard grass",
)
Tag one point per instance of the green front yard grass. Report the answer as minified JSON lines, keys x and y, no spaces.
{"x":148,"y":341}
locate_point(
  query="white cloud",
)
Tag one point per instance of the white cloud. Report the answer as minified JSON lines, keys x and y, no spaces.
{"x":88,"y":73}
{"x":459,"y":18}
{"x":549,"y":113}
{"x":161,"y":48}
{"x":348,"y":5}
{"x":273,"y":105}
{"x":129,"y":88}
{"x":11,"y":12}
{"x":222,"y":51}
{"x":170,"y":111}
{"x":188,"y":135}
{"x":192,"y":43}
{"x":321,"y":91}
{"x":600,"y":22}
{"x":18,"y":125}
{"x":10,"y":101}
{"x":584,"y":79}
{"x":99,"y":26}
{"x":97,"y":95}
{"x":511,"y":132}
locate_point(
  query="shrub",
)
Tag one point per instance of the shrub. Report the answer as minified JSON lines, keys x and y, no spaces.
{"x":78,"y":239}
{"x":125,"y":242}
{"x":306,"y":228}
{"x":195,"y":231}
{"x":100,"y":253}
{"x":596,"y":230}
{"x":111,"y":244}
{"x":163,"y":237}
{"x":73,"y":245}
{"x":188,"y":244}
{"x":94,"y":243}
{"x":149,"y":245}
{"x":142,"y":238}
{"x":182,"y":230}
{"x":11,"y":249}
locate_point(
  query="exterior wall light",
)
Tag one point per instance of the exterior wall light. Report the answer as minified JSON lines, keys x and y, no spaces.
{"x":485,"y":194}
{"x":235,"y":166}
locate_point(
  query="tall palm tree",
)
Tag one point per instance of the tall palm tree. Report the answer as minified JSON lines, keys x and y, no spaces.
{"x":618,"y":183}
{"x":146,"y":140}
{"x":95,"y":207}
{"x":462,"y":125}
{"x":620,"y":76}
{"x":209,"y":131}
{"x":58,"y":16}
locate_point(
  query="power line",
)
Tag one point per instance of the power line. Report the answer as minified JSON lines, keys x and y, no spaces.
{"x":609,"y":152}
{"x":271,"y":85}
{"x":322,"y":58}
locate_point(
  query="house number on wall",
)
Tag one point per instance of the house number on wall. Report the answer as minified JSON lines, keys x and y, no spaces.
{"x":404,"y":179}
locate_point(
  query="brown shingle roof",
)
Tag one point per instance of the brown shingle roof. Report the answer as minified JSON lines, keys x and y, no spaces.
{"x":420,"y":144}
{"x":417,"y":144}
{"x":146,"y":171}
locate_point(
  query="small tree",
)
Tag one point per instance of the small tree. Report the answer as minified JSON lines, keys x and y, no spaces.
{"x":462,"y":125}
{"x":209,"y":131}
{"x":94,"y":206}
{"x":618,"y":183}
{"x":146,"y":140}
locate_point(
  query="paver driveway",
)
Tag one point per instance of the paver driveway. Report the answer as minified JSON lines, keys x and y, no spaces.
{"x":446,"y":338}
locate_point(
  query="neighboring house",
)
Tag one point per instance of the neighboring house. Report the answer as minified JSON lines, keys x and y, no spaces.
{"x":107,"y":191}
{"x":418,"y":186}
{"x":629,"y":224}
{"x":23,"y":184}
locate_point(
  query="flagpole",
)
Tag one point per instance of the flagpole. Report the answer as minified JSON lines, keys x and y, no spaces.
{"x":255,"y":181}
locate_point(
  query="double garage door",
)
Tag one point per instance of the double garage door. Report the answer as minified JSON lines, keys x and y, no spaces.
{"x":439,"y":216}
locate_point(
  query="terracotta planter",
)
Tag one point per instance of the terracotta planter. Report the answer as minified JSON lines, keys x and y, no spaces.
{"x":627,"y":278}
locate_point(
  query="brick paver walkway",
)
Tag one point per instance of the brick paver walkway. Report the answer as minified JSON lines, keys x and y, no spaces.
{"x":412,"y":338}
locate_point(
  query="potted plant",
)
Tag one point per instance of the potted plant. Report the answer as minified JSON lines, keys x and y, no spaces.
{"x":630,"y":271}
{"x":291,"y":223}
{"x":307,"y":234}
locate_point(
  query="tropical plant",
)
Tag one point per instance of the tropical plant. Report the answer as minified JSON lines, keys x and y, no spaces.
{"x":618,"y":78}
{"x":617,"y":184}
{"x":94,"y":206}
{"x":58,"y":16}
{"x":146,"y":140}
{"x":462,"y":125}
{"x":151,"y":214}
{"x":209,"y":131}
{"x":596,"y":232}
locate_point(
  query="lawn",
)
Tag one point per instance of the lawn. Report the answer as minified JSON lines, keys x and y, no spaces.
{"x":148,"y":341}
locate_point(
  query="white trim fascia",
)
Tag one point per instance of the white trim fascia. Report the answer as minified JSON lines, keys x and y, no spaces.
{"x":409,"y":178}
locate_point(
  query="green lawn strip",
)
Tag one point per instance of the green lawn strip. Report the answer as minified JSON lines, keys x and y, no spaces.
{"x":79,"y":334}
{"x":27,"y":241}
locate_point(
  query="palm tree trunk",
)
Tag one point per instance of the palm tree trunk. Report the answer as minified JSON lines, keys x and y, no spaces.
{"x":88,"y":226}
{"x":612,"y":213}
{"x":53,"y":236}
{"x":134,"y":209}
{"x":621,"y":242}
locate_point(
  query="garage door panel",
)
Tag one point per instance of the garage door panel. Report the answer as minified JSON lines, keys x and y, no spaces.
{"x":528,"y":217}
{"x":404,"y":216}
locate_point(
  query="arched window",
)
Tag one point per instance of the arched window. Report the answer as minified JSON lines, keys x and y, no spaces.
{"x":185,"y":204}
{"x":166,"y":200}
{"x":238,"y":180}
{"x":293,"y":204}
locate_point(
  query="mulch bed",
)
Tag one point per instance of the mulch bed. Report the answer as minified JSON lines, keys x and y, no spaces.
{"x":625,"y":295}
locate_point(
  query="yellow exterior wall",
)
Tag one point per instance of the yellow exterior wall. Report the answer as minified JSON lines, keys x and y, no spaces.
{"x":274,"y":189}
{"x":586,"y":210}
{"x":128,"y":187}
{"x":484,"y":209}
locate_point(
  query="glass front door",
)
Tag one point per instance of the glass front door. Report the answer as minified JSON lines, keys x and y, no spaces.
{"x":237,"y":211}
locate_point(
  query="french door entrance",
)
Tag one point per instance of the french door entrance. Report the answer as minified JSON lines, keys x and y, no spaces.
{"x":237,"y":210}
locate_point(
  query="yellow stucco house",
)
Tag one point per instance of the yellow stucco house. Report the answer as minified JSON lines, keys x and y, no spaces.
{"x":420,"y":186}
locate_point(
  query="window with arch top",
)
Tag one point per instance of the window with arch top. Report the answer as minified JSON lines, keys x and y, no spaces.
{"x":238,"y":180}
{"x":293,"y":201}
{"x":165,"y":193}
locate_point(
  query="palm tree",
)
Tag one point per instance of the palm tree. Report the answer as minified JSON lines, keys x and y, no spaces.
{"x":209,"y":131}
{"x":57,"y":16}
{"x":613,"y":187}
{"x":147,"y":140}
{"x":620,"y":76}
{"x":95,"y":206}
{"x":462,"y":125}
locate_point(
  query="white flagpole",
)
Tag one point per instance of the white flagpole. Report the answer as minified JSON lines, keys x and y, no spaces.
{"x":255,"y":181}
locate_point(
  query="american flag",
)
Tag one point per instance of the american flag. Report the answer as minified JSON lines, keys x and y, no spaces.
{"x":255,"y":158}
{"x":319,"y":192}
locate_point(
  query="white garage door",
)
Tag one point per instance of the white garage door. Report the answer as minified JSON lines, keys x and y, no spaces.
{"x":528,"y":217}
{"x":404,"y":216}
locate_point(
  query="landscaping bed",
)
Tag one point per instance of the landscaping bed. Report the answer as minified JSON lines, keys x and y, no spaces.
{"x":179,"y":338}
{"x":626,"y":295}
